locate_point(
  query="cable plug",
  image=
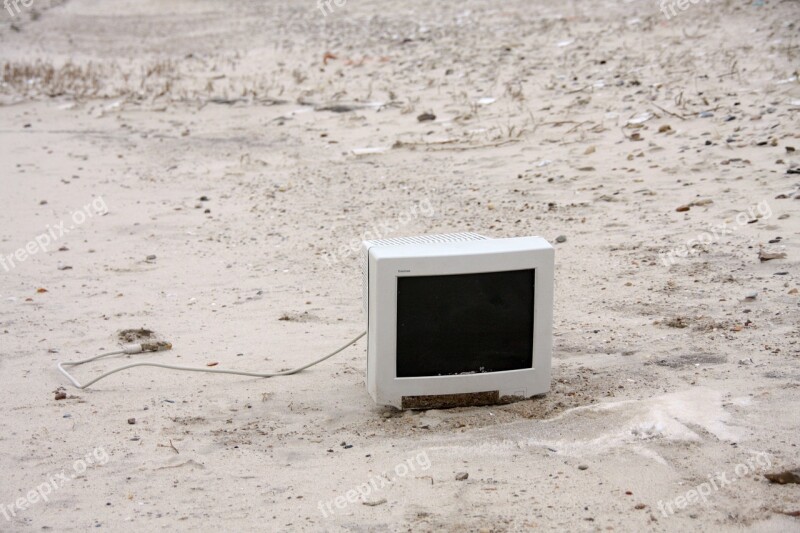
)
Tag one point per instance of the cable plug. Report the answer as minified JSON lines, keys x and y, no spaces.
{"x":158,"y":346}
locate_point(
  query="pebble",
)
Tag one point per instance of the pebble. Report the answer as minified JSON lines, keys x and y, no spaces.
{"x":151,"y":257}
{"x":131,"y":421}
{"x":706,"y":114}
{"x":583,"y":467}
{"x":561,"y":238}
{"x":751,"y":295}
{"x":462,"y":476}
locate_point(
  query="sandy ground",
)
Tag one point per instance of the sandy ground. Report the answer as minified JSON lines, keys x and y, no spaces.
{"x":631,"y":135}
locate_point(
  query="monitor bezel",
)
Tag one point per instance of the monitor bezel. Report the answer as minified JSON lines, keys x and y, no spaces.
{"x":387,"y":263}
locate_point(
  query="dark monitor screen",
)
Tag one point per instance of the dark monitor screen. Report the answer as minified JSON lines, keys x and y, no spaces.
{"x":464,"y":323}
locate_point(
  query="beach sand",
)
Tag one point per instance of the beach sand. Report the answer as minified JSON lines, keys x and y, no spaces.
{"x":201,"y":170}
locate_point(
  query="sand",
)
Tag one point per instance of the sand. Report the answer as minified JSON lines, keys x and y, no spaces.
{"x":201,"y":169}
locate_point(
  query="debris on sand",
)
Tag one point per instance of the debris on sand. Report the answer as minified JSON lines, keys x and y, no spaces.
{"x":327,"y":56}
{"x":768,"y":256}
{"x":782,"y":478}
{"x":369,"y":151}
{"x":135,"y":335}
{"x":679,"y":322}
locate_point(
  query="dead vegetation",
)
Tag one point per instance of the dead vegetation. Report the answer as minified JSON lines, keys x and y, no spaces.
{"x":48,"y":80}
{"x":162,"y":78}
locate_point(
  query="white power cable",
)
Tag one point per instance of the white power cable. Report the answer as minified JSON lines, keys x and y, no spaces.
{"x":161,"y":346}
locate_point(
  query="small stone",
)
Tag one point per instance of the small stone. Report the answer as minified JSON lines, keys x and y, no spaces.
{"x":131,"y":421}
{"x":639,"y":506}
{"x":61,"y":395}
{"x":583,"y":467}
{"x":151,"y":257}
{"x":706,"y":114}
{"x":769,"y":256}
{"x":462,"y":476}
{"x":561,"y":238}
{"x":374,"y":503}
{"x":782,"y":478}
{"x":204,"y":198}
{"x":682,"y":209}
{"x":425,"y":117}
{"x":751,"y":295}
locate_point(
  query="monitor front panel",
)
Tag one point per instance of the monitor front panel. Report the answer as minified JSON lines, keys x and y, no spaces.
{"x":465,"y":323}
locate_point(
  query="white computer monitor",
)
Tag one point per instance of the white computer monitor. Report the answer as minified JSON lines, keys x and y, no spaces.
{"x":457,"y":319}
